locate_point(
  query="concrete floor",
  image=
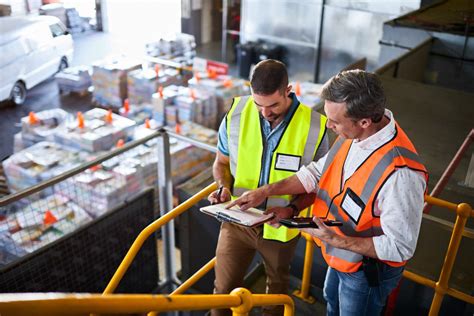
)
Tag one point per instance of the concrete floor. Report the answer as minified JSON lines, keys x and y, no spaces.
{"x":436,"y":119}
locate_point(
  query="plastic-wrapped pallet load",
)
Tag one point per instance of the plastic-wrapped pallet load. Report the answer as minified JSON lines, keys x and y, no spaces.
{"x":181,"y":45}
{"x":109,"y":79}
{"x":193,"y":105}
{"x":309,"y":94}
{"x":143,"y":83}
{"x":38,"y":224}
{"x":225,"y":88}
{"x":102,"y":188}
{"x":137,"y":113}
{"x":40,"y":126}
{"x":187,"y":161}
{"x":161,"y":100}
{"x":74,"y":79}
{"x":98,"y":133}
{"x":199,"y":132}
{"x":39,"y":162}
{"x":97,"y":191}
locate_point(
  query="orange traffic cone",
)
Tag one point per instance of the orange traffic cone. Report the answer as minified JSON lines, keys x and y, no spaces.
{"x":157,"y":70}
{"x":80,"y":120}
{"x":126,"y":106}
{"x":32,"y":118}
{"x":49,"y":218}
{"x":108,"y":117}
{"x":177,"y":128}
{"x":298,"y":88}
{"x":160,"y":91}
{"x":211,"y":74}
{"x":228,"y":83}
{"x":95,"y":168}
{"x":120,"y":143}
{"x":147,"y":123}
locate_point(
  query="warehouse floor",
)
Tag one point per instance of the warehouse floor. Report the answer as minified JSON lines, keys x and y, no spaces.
{"x":437,"y":120}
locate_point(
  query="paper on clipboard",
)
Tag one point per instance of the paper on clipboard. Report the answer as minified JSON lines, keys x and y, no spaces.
{"x":250,"y":218}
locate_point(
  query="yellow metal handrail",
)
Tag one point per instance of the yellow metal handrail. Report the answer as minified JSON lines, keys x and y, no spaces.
{"x":150,"y":229}
{"x":241,"y":301}
{"x":195,"y":277}
{"x":441,"y":287}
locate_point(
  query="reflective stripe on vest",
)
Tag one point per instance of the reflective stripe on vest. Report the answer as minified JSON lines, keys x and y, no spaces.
{"x":366,"y":182}
{"x":301,"y":138}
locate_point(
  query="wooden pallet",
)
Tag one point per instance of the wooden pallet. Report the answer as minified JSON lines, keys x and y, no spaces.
{"x":80,"y":93}
{"x":97,"y":104}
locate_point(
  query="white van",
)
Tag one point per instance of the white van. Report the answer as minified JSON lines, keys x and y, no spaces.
{"x":32,"y":49}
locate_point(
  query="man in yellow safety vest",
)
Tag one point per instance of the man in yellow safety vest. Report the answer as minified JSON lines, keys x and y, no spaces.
{"x":264,"y":138}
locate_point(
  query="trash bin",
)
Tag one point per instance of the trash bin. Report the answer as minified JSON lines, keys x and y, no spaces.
{"x":245,"y":58}
{"x":265,"y":50}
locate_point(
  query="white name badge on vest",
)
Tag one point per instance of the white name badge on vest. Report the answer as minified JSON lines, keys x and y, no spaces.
{"x":352,"y":205}
{"x":287,"y":162}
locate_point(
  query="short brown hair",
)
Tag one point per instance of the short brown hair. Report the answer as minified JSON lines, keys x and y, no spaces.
{"x":269,"y":76}
{"x":361,"y":91}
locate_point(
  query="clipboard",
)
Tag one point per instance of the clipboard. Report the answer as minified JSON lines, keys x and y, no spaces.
{"x":248,"y":218}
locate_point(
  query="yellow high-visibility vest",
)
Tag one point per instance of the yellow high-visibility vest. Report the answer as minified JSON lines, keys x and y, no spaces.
{"x":296,"y":147}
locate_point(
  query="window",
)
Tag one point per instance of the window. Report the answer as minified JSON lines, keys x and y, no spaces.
{"x":57,"y":30}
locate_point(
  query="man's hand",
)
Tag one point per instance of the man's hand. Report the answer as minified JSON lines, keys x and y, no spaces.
{"x":216,"y":198}
{"x":250,"y":199}
{"x":280,"y":213}
{"x":323,"y":232}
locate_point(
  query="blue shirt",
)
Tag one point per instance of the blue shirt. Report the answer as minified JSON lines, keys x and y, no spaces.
{"x":272,"y":138}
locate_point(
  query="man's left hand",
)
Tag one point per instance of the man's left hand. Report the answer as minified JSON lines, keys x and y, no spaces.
{"x":280,"y":213}
{"x":323,"y":232}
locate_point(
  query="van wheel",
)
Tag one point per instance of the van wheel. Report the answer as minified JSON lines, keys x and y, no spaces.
{"x":18,"y":94}
{"x":63,"y":64}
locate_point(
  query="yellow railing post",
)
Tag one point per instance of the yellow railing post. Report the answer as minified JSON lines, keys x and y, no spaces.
{"x":246,"y":302}
{"x":303,"y":294}
{"x":463,"y":212}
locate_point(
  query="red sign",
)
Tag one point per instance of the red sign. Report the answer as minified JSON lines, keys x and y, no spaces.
{"x":218,"y":67}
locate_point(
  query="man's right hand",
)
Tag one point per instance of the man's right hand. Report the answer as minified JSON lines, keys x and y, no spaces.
{"x":250,"y":199}
{"x":214,"y":198}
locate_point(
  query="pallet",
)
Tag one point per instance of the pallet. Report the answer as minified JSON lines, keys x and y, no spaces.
{"x":80,"y":93}
{"x":98,"y":104}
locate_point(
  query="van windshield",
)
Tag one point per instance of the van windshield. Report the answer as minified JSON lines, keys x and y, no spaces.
{"x":57,"y":30}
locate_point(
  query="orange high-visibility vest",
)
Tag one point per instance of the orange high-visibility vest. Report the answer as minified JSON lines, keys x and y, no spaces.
{"x":352,"y":201}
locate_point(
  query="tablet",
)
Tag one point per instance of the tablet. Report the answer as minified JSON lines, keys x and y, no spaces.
{"x":305,"y":222}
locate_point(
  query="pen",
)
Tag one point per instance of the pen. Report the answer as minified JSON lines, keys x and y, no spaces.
{"x":219,"y":192}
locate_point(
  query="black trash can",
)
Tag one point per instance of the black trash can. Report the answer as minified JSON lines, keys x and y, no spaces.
{"x":265,"y":50}
{"x":245,"y":58}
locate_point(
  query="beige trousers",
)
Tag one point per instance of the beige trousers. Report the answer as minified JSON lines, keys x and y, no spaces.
{"x":236,"y":248}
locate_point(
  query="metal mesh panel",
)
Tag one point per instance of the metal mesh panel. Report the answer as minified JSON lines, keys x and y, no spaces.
{"x":85,"y":260}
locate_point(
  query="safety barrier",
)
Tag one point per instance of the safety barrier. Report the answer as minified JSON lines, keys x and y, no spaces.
{"x":248,"y":300}
{"x":239,"y":300}
{"x":441,"y":287}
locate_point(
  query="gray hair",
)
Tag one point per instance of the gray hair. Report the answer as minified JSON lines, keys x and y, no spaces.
{"x":361,"y":91}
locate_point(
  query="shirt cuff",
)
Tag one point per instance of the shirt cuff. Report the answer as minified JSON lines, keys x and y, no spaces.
{"x":307,"y":180}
